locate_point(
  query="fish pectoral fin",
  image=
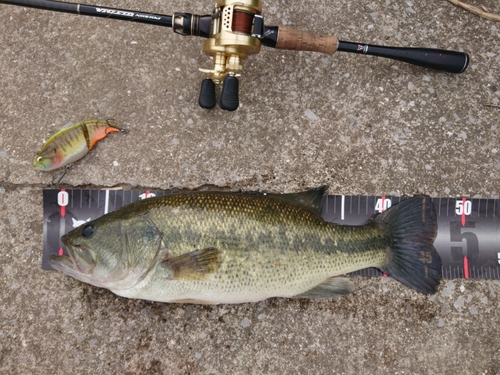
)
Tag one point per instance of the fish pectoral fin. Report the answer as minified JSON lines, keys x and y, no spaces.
{"x":194,"y":265}
{"x":333,"y":287}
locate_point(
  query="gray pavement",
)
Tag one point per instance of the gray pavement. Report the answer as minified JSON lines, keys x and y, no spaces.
{"x":362,"y":125}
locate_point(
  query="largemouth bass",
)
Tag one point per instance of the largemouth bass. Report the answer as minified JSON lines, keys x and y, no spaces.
{"x":72,"y":143}
{"x":215,"y":247}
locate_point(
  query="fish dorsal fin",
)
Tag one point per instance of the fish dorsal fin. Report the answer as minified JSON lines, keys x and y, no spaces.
{"x":68,"y":125}
{"x":310,"y":199}
{"x":194,"y":265}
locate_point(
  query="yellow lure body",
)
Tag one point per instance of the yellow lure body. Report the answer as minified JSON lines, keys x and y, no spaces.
{"x":72,"y":143}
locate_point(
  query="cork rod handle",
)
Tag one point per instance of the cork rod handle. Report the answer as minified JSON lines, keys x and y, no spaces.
{"x":298,"y":40}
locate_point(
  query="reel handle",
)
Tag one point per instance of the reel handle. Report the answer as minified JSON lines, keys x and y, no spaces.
{"x":207,"y":97}
{"x":229,"y":99}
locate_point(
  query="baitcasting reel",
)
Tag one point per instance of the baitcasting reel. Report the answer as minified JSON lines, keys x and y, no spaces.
{"x":237,"y":26}
{"x":234,"y":30}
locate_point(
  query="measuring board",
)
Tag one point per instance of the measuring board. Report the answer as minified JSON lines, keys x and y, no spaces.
{"x":468,"y":238}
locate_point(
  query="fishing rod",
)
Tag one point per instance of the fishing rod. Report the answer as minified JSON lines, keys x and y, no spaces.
{"x":235,"y":29}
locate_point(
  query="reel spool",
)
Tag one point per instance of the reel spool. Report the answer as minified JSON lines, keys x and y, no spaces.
{"x":237,"y":26}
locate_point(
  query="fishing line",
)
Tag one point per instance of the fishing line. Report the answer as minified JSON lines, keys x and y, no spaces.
{"x":242,"y":22}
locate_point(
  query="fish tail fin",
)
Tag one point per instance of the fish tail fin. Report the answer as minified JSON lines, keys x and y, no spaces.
{"x":413,"y":260}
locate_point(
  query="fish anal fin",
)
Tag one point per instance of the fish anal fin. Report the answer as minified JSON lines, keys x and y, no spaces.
{"x":194,"y":265}
{"x":330,"y":288}
{"x":195,"y":302}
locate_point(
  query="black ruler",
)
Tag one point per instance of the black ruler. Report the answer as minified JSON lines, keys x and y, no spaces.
{"x":468,"y":238}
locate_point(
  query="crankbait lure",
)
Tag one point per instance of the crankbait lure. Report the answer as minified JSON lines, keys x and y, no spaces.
{"x":73,"y":143}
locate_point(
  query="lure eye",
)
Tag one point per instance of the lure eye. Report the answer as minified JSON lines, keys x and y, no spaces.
{"x":88,"y":231}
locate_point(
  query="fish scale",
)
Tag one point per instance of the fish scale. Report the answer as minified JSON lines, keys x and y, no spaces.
{"x":230,"y":248}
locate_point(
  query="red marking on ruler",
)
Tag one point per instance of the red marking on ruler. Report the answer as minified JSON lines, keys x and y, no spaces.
{"x":466,"y":267}
{"x":63,"y":206}
{"x":463,"y":211}
{"x":61,"y":252}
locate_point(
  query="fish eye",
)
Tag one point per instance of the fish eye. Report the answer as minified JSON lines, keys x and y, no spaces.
{"x":88,"y":231}
{"x":39,"y":159}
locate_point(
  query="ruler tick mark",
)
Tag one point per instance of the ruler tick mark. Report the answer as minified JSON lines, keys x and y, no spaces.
{"x":106,"y":202}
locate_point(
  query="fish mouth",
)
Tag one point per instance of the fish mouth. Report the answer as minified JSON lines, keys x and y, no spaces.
{"x":64,"y":263}
{"x":42,"y":164}
{"x":71,"y":264}
{"x":39,"y":166}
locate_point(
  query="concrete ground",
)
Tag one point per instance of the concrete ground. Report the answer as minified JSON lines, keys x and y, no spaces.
{"x":362,"y":125}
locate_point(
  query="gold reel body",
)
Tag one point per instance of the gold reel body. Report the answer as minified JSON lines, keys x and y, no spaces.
{"x":231,"y":39}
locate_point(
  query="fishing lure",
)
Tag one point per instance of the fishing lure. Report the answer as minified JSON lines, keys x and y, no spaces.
{"x":73,"y":143}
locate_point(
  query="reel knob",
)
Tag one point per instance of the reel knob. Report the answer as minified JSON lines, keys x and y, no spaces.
{"x":229,"y":99}
{"x":207,"y":94}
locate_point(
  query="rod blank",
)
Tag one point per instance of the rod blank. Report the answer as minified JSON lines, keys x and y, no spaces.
{"x":95,"y":11}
